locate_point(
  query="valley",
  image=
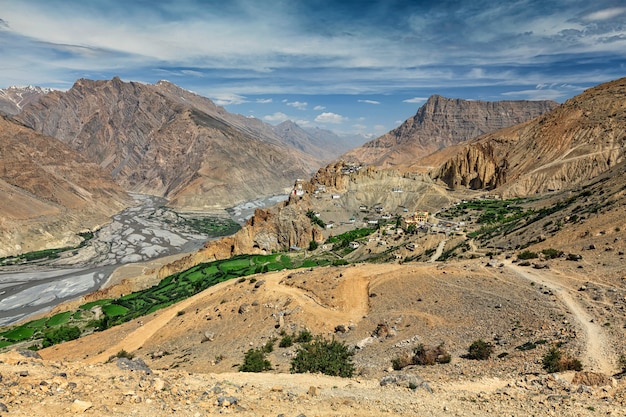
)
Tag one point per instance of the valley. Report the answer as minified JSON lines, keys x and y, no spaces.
{"x":511,"y":241}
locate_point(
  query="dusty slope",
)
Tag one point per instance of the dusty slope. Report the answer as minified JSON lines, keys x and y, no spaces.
{"x":49,"y":191}
{"x":577,"y":141}
{"x":418,"y":303}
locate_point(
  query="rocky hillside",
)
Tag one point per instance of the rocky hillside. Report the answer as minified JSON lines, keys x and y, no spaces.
{"x":577,"y":141}
{"x":162,"y":140}
{"x":442,"y":122}
{"x":49,"y":191}
{"x":13,"y":99}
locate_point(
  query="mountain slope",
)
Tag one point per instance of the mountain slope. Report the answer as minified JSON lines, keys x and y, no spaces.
{"x":160,"y":139}
{"x":49,"y":192}
{"x":442,"y":122}
{"x":13,"y":99}
{"x":577,"y":141}
{"x":324,"y":143}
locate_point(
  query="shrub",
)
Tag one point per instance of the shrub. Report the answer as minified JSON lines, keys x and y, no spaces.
{"x":527,"y":255}
{"x":268,"y":347}
{"x":556,"y":361}
{"x":403,"y":360}
{"x":430,"y":355}
{"x":286,"y":341}
{"x":322,"y":356}
{"x":62,"y":334}
{"x":254,"y":361}
{"x":480,"y":350}
{"x":313,"y":245}
{"x":552,"y":253}
{"x":304,"y":336}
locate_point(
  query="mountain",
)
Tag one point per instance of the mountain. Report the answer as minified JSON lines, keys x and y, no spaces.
{"x":442,"y":122}
{"x":163,"y":140}
{"x":575,"y":142}
{"x":13,"y":99}
{"x":49,"y":191}
{"x":315,"y":141}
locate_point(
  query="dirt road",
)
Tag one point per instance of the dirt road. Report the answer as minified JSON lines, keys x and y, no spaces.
{"x":598,"y":355}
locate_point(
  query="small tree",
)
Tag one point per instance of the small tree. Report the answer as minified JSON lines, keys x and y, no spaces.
{"x":254,"y":361}
{"x":61,"y":334}
{"x":556,"y":361}
{"x":480,"y":350}
{"x":323,"y":356}
{"x":313,"y":245}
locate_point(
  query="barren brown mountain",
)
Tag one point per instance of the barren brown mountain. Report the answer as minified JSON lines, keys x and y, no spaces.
{"x":49,"y":191}
{"x":162,"y":140}
{"x":577,"y":141}
{"x":442,"y":122}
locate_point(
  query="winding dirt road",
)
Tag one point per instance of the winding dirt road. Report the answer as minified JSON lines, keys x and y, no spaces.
{"x":598,"y":355}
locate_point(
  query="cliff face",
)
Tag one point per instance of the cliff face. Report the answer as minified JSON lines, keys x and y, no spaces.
{"x":49,"y":192}
{"x":443,"y":122}
{"x":579,"y":140}
{"x":13,"y":99}
{"x":162,"y":140}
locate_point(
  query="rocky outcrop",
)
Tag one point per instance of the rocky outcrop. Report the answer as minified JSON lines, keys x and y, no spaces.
{"x":443,"y":122}
{"x":162,"y":140}
{"x":49,"y":191}
{"x":578,"y":141}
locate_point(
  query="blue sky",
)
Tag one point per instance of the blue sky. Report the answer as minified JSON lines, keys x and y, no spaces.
{"x":349,"y":66}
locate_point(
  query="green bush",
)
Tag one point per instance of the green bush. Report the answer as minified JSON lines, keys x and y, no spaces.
{"x":286,"y":341}
{"x":556,"y":361}
{"x":62,"y":334}
{"x":322,"y":356}
{"x":480,"y":350}
{"x":313,"y":245}
{"x":551,"y":253}
{"x":304,"y":336}
{"x":254,"y":361}
{"x":527,"y":255}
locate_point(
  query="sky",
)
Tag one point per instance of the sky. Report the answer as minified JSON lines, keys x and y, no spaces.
{"x":348,"y":66}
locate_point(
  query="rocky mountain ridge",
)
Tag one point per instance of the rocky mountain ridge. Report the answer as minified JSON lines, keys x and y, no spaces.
{"x":442,"y":122}
{"x":50,"y":192}
{"x":575,"y":142}
{"x":163,"y":140}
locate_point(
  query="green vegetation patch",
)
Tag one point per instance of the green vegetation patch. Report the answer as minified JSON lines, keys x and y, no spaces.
{"x":114,"y":310}
{"x":19,"y":334}
{"x":92,"y":304}
{"x":59,"y":319}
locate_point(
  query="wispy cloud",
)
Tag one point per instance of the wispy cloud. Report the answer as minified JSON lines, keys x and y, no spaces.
{"x":319,"y":108}
{"x":276,"y":117}
{"x":263,"y":100}
{"x":228,"y":99}
{"x":606,"y":14}
{"x":332,"y":118}
{"x":369,"y":101}
{"x":415,"y":100}
{"x":298,"y":105}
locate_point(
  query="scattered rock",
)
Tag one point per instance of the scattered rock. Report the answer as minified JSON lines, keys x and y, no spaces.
{"x":244,"y":308}
{"x":207,"y":337}
{"x":592,"y":379}
{"x":79,"y":406}
{"x":136,"y":364}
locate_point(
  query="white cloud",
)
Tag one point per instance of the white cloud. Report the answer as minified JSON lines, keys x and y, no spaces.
{"x":276,"y":117}
{"x":606,"y":14}
{"x":319,"y":108}
{"x":328,"y":117}
{"x":369,"y":101}
{"x":415,"y":100}
{"x":298,"y":105}
{"x":263,"y":100}
{"x":227,"y":99}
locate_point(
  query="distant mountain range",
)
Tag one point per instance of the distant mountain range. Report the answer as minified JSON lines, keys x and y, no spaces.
{"x":163,"y":140}
{"x":13,"y":99}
